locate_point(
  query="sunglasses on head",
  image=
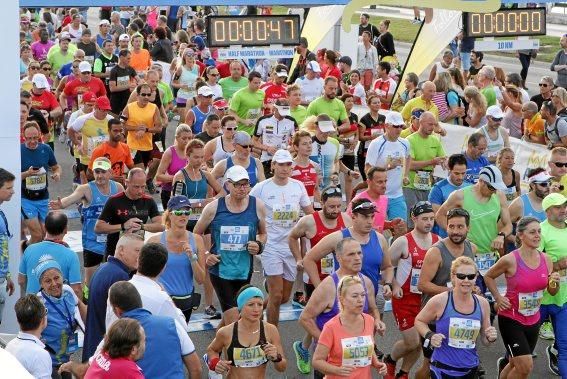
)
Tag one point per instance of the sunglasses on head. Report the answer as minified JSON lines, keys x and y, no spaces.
{"x":365,"y":206}
{"x":222,"y":109}
{"x":560,"y":164}
{"x":181,"y":212}
{"x":332,"y":190}
{"x":462,"y":276}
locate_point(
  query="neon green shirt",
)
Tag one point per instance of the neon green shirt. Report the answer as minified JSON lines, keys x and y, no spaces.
{"x":247,"y":105}
{"x":333,"y":108}
{"x":553,"y":244}
{"x":57,"y":60}
{"x":490,"y":95}
{"x":423,"y":149}
{"x":299,"y":114}
{"x":167,"y":93}
{"x":230,"y":87}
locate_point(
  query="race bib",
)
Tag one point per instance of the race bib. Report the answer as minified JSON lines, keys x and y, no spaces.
{"x":422,"y":180}
{"x":562,"y":276}
{"x":463,"y":332}
{"x":94,"y":142}
{"x":285,"y":215}
{"x":79,"y":99}
{"x":414,"y":279}
{"x":528,"y":303}
{"x":197,"y":211}
{"x":328,"y":264}
{"x":485,"y":261}
{"x":254,"y":114}
{"x":122,"y":81}
{"x":234,"y":238}
{"x":36,"y":182}
{"x":357,"y":351}
{"x":101,"y":238}
{"x":73,"y":343}
{"x":249,"y":356}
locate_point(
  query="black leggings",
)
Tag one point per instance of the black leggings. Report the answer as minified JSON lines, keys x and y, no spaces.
{"x":361,"y":160}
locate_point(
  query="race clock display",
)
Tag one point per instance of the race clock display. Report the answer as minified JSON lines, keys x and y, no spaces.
{"x":505,"y":23}
{"x":223,"y":31}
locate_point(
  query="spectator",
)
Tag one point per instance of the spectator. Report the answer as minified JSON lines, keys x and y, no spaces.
{"x":555,"y":126}
{"x":443,"y":65}
{"x":485,"y":81}
{"x":367,"y":59}
{"x":27,"y":346}
{"x":331,"y":59}
{"x":559,"y":63}
{"x":411,"y":82}
{"x":385,"y":44}
{"x":366,"y":26}
{"x":477,"y":107}
{"x":534,"y":125}
{"x":545,"y":91}
{"x":559,"y":99}
{"x":512,"y":102}
{"x":305,"y":56}
{"x":526,"y":57}
{"x":425,"y":102}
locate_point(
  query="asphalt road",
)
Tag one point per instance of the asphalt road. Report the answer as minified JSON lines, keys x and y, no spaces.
{"x":291,"y":331}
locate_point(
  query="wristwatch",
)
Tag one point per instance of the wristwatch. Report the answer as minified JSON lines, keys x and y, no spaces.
{"x":502,"y":234}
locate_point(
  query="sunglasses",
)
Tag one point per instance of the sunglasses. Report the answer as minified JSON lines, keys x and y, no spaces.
{"x":543,"y":85}
{"x":181,"y":212}
{"x":560,"y":164}
{"x":231,"y":129}
{"x":75,"y":67}
{"x":398,"y":126}
{"x":213,"y":74}
{"x":462,"y":276}
{"x":246,"y":146}
{"x":99,"y":171}
{"x":496,"y":119}
{"x":241,"y":185}
{"x":145,"y":94}
{"x":543,"y":184}
{"x":365,"y":206}
{"x":46,"y":69}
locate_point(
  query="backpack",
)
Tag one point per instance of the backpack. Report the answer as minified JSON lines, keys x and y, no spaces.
{"x":555,"y":128}
{"x":461,"y":102}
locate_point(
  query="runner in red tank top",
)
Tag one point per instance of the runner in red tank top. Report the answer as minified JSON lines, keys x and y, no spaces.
{"x":304,"y":169}
{"x":408,"y":253}
{"x":314,"y":227}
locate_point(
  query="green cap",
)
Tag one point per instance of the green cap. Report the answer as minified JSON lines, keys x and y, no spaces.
{"x":552,"y":200}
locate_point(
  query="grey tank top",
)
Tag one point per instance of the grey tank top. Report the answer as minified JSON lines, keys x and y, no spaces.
{"x":443,"y":274}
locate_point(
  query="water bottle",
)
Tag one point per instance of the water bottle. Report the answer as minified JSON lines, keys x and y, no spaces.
{"x":212,"y":374}
{"x":178,"y":188}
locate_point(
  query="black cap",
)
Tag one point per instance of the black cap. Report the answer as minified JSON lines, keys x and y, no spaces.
{"x":421,"y":207}
{"x":303,"y":42}
{"x":346,"y":60}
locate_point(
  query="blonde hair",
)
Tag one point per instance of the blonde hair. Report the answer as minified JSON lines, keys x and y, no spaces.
{"x":462,"y":261}
{"x":182,"y":128}
{"x":310,"y":124}
{"x":476,"y":98}
{"x":344,"y":284}
{"x":561,"y":93}
{"x":501,"y":153}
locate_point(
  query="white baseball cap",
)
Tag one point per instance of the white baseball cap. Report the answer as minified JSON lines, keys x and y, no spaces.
{"x":205,"y":91}
{"x":85,"y":66}
{"x":237,"y":173}
{"x":282,"y":156}
{"x":394,"y":118}
{"x":494,"y":111}
{"x":493,"y":176}
{"x":64,"y":35}
{"x":124,"y":37}
{"x":40,"y":81}
{"x":104,"y":22}
{"x":313,"y":66}
{"x":326,"y":126}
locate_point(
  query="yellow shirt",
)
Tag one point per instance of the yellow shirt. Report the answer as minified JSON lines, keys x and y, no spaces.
{"x":419,"y":103}
{"x":26,"y":84}
{"x":140,"y":116}
{"x":94,"y":132}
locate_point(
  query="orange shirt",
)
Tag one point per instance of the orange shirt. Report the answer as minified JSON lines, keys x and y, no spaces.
{"x":119,"y":157}
{"x":349,"y":349}
{"x":535,"y":127}
{"x":140,"y":61}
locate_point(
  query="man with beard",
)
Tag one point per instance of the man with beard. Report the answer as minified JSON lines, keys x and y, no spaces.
{"x":558,"y":169}
{"x":93,"y":196}
{"x":115,"y":150}
{"x":407,"y":254}
{"x":435,"y":274}
{"x":529,"y":204}
{"x":314,"y":227}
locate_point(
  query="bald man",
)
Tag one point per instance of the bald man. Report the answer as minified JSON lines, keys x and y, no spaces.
{"x":425,"y":102}
{"x":426,"y":152}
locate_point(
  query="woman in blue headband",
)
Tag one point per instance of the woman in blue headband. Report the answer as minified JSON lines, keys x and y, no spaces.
{"x":249,"y":343}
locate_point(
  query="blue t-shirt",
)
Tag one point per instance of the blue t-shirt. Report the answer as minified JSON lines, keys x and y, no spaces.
{"x":474,"y":167}
{"x":438,"y":195}
{"x":48,"y":250}
{"x":60,"y":333}
{"x":66,"y":69}
{"x":109,"y":273}
{"x":35,"y":187}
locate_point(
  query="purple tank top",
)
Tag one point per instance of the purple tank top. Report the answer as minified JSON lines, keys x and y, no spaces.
{"x":322,"y":318}
{"x":175,"y":165}
{"x":525,"y":290}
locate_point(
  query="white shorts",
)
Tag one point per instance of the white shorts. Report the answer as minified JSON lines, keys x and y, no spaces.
{"x":279,"y":264}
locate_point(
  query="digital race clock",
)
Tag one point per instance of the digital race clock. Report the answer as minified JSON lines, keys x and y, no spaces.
{"x":505,"y":23}
{"x":225,"y":31}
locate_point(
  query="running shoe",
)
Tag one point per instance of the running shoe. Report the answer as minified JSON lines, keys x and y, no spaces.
{"x":302,"y":357}
{"x":552,"y":361}
{"x":500,"y":364}
{"x":390,"y":367}
{"x":546,"y":331}
{"x":85,"y":293}
{"x":299,"y":299}
{"x":481,"y":372}
{"x":211,"y":310}
{"x":416,"y":21}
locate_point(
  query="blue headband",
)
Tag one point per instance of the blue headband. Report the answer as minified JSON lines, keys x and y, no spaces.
{"x":248,"y":294}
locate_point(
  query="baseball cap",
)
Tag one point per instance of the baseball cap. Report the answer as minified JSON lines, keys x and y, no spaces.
{"x":44,"y":265}
{"x":220,"y":103}
{"x":394,"y":118}
{"x":178,"y":202}
{"x":494,"y":111}
{"x":89,"y":97}
{"x":124,"y":37}
{"x":281,"y":72}
{"x":40,"y":81}
{"x":205,"y":91}
{"x":104,"y":22}
{"x":552,"y":200}
{"x":282,"y":156}
{"x":421,"y":207}
{"x":364,"y":207}
{"x":241,"y":138}
{"x":85,"y":66}
{"x":103,"y":103}
{"x":493,"y":176}
{"x":326,"y":126}
{"x":101,"y":163}
{"x":417,"y":112}
{"x":64,"y":35}
{"x":346,"y":60}
{"x":313,"y":66}
{"x":541,"y":177}
{"x":237,"y":173}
